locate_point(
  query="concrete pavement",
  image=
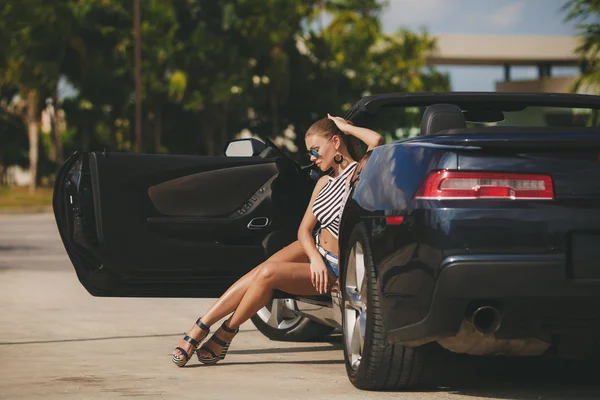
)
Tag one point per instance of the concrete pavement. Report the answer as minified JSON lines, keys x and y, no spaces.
{"x":57,"y":341}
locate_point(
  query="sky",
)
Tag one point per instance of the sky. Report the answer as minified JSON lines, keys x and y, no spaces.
{"x":484,"y":17}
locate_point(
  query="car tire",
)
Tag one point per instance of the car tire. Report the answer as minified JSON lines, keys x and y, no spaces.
{"x":286,"y":325}
{"x":376,"y":364}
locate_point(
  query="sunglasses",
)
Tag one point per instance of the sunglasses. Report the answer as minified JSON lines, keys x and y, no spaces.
{"x":313,"y":153}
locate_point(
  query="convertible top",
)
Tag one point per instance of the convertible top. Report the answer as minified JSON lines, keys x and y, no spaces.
{"x":470,"y":100}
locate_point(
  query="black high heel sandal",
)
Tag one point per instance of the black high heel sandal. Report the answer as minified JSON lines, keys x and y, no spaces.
{"x":181,"y":361}
{"x":214,"y":338}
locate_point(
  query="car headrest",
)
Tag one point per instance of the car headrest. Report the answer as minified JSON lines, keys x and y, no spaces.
{"x":439,"y":117}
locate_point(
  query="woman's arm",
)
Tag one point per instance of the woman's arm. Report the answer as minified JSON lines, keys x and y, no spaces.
{"x":318,"y":270}
{"x":371,"y":138}
{"x":308,"y":223}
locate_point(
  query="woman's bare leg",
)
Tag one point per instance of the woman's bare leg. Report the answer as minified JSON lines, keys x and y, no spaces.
{"x":229,"y":301}
{"x":291,"y":277}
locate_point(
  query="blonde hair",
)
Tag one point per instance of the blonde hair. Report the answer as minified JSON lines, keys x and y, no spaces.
{"x":327,"y":129}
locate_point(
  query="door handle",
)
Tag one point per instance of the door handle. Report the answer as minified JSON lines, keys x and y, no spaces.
{"x":258,"y":223}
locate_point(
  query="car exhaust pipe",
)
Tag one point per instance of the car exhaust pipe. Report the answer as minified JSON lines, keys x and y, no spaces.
{"x":486,"y":319}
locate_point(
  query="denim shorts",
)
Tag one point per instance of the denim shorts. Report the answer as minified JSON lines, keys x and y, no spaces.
{"x":330,"y":259}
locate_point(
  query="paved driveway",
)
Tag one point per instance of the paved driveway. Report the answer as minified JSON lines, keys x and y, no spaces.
{"x":57,"y":341}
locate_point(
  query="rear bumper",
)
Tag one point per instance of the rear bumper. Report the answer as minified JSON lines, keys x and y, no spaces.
{"x":533,"y":293}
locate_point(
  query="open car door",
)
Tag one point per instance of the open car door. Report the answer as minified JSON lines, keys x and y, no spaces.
{"x":174,"y":225}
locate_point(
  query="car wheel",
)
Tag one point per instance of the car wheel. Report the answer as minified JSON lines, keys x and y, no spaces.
{"x":371,"y":362}
{"x":278,"y":321}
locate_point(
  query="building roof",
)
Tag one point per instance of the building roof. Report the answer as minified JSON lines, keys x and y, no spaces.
{"x":500,"y":50}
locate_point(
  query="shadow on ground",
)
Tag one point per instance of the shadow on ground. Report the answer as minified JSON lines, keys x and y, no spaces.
{"x":518,"y":378}
{"x":528,"y":378}
{"x":16,"y":248}
{"x":298,"y":362}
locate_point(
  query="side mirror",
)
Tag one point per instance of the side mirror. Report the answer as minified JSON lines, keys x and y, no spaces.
{"x":244,"y":148}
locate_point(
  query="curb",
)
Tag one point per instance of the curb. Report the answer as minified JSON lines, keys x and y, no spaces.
{"x":25,"y":210}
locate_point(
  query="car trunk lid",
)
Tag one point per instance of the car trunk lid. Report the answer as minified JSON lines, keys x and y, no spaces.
{"x":571,"y":157}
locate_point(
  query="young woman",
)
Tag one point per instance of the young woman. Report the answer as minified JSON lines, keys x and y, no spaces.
{"x":306,"y":267}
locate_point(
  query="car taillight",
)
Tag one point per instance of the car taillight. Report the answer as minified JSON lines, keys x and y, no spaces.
{"x":394,"y":219}
{"x":485,"y":185}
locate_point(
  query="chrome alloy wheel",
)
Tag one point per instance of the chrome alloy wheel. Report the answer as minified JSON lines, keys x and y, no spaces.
{"x":279,"y":314}
{"x":355,"y":306}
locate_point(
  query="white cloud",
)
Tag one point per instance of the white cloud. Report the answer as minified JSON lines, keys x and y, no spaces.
{"x":506,"y":16}
{"x":412,"y":13}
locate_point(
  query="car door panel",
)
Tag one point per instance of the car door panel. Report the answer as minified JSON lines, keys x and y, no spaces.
{"x":153,"y":225}
{"x":211,"y":193}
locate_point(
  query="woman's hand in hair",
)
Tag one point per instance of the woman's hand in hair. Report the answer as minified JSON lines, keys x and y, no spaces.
{"x":341,"y":123}
{"x":371,"y":138}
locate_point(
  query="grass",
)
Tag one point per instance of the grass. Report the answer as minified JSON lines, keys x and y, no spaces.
{"x":19,"y":197}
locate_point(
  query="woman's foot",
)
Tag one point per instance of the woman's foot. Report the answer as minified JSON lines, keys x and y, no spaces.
{"x":215,"y":348}
{"x":190,"y":343}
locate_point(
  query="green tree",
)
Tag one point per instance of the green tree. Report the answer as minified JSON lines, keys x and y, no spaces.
{"x":236,"y":58}
{"x":353,"y":57}
{"x":587,"y":15}
{"x":101,"y":31}
{"x":13,"y":134}
{"x":31,"y":53}
{"x":210,"y":69}
{"x":162,"y":81}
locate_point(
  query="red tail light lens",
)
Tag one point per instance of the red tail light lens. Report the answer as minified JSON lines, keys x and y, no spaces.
{"x":394,"y":219}
{"x":485,"y":185}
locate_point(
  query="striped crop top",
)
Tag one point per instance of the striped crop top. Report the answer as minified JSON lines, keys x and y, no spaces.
{"x":330,"y":200}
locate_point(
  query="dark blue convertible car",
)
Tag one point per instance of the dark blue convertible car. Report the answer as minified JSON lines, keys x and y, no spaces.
{"x":477,"y":234}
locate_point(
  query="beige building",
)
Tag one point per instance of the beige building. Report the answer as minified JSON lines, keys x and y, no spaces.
{"x":543,"y":52}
